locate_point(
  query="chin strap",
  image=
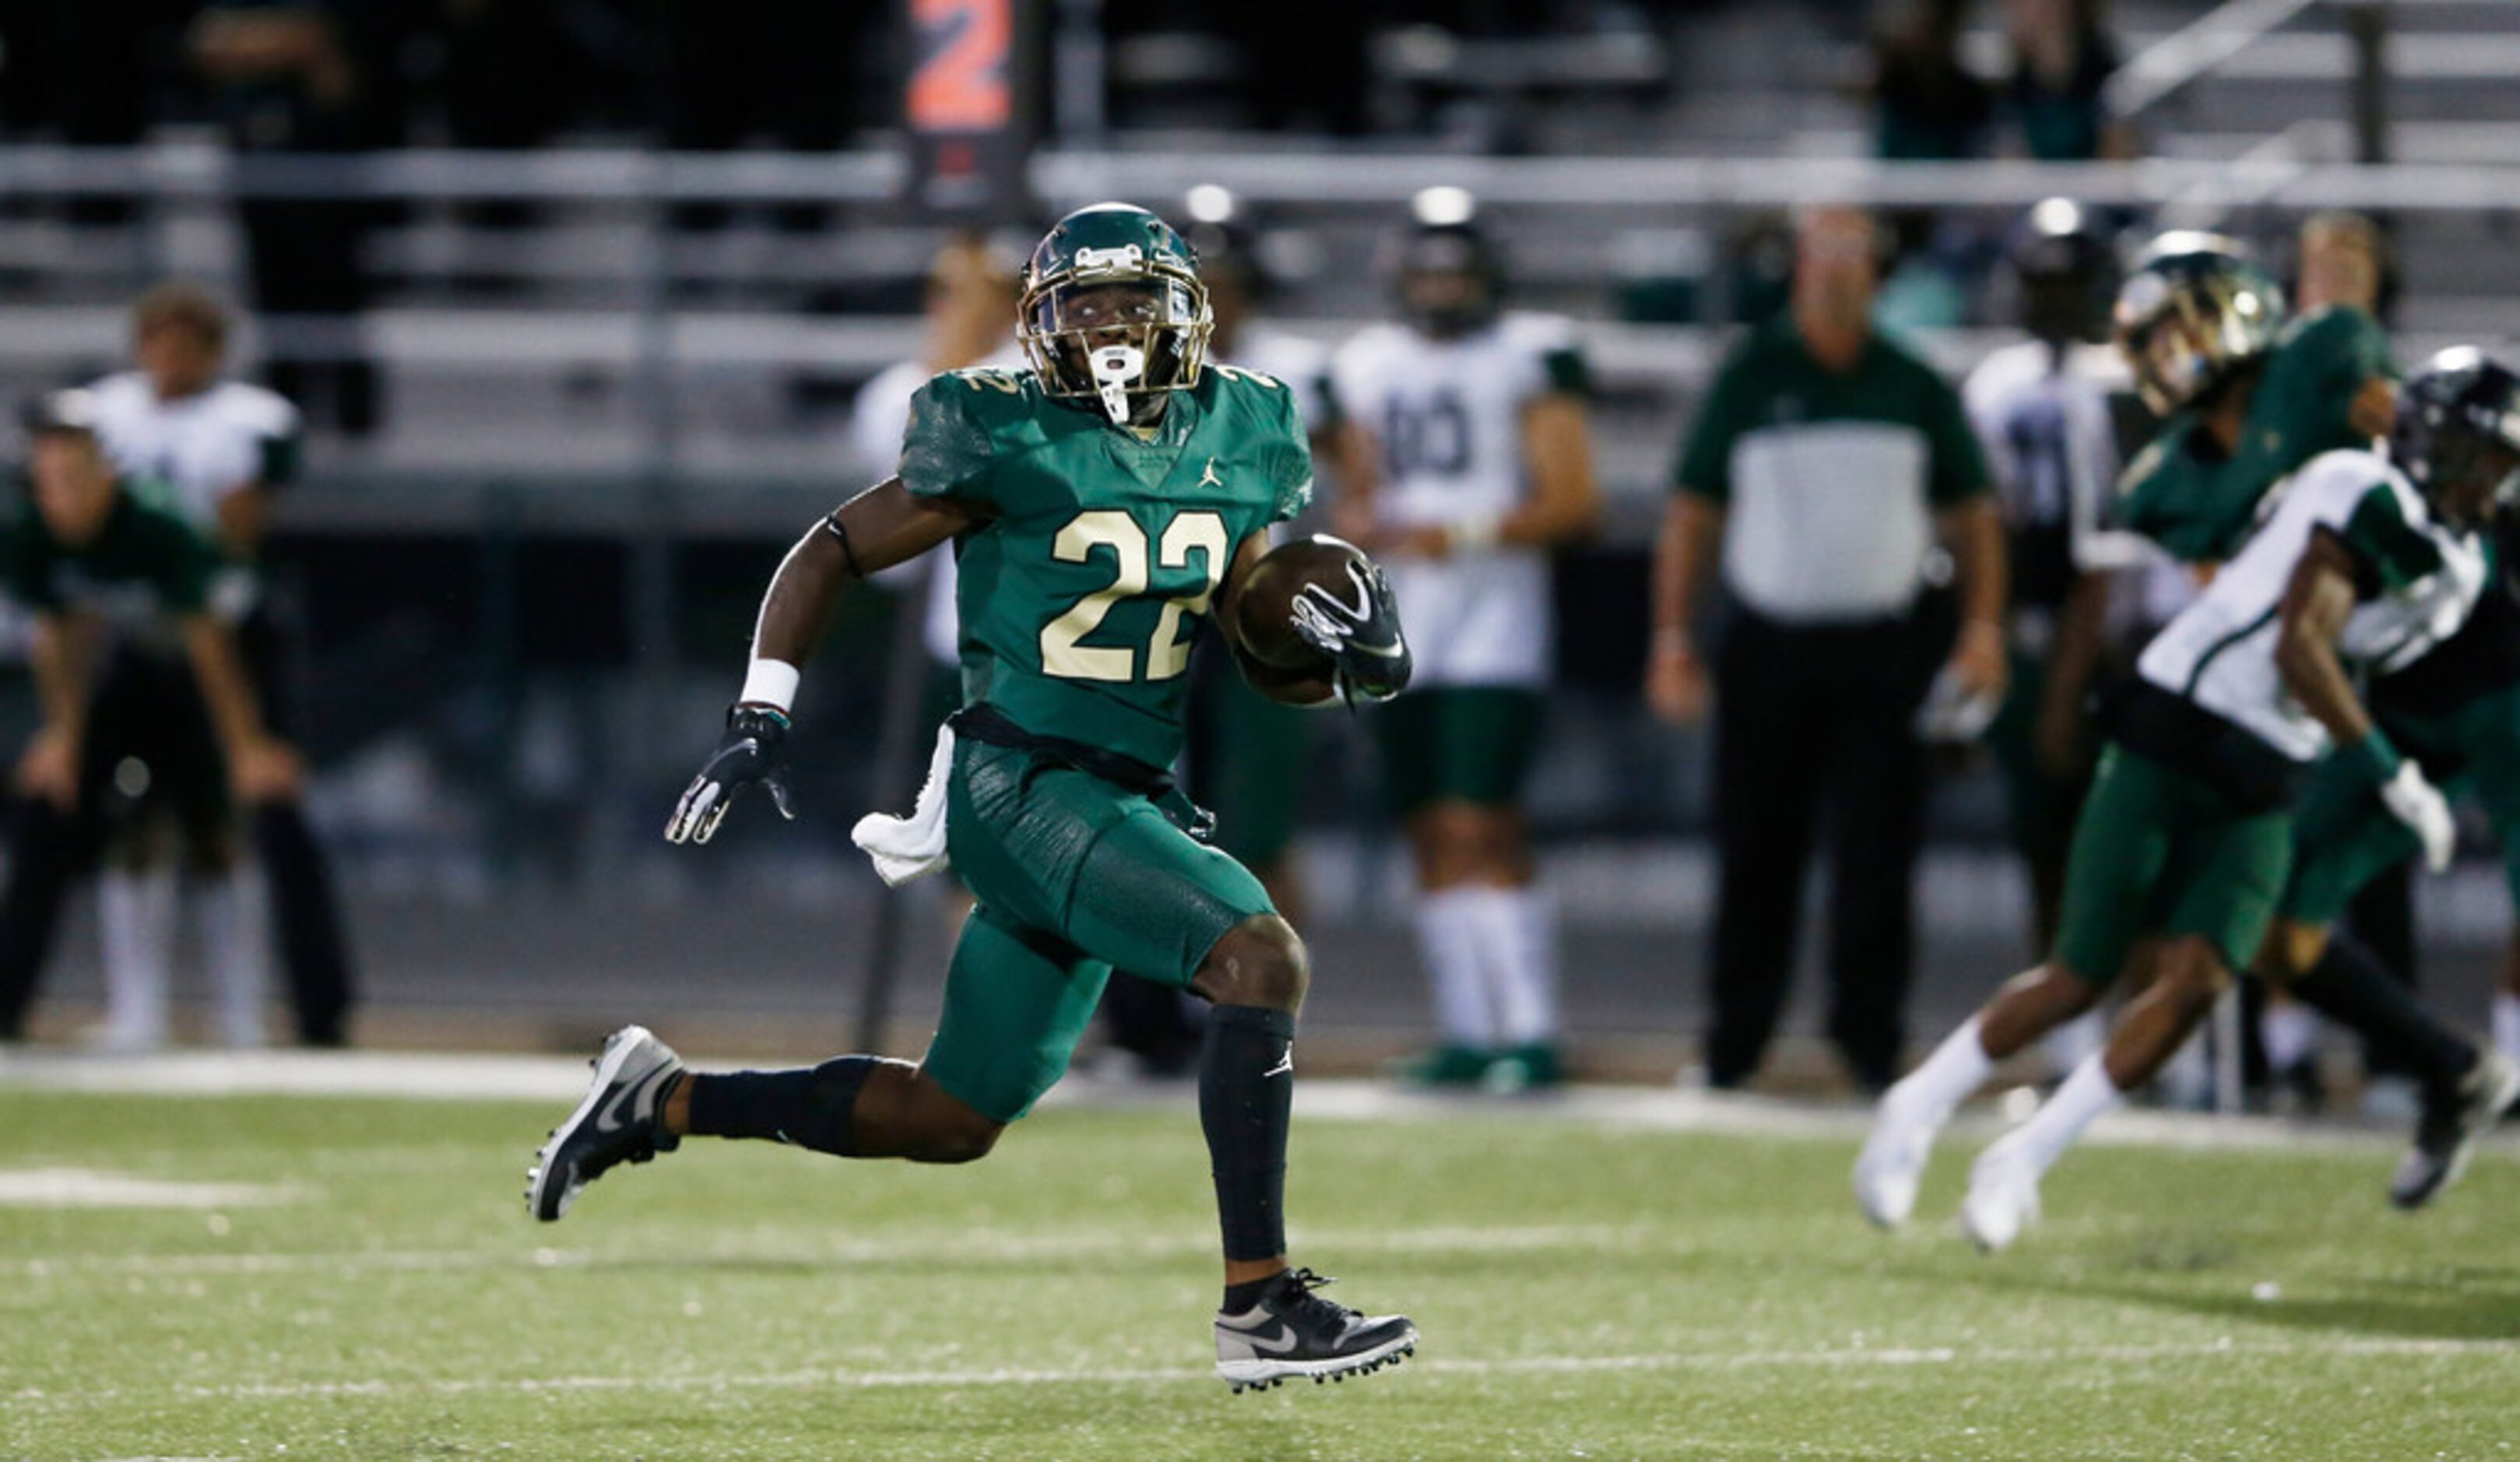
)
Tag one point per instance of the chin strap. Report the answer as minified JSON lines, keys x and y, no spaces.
{"x":1114,"y":367}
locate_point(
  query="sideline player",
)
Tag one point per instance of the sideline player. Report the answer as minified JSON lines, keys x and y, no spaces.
{"x":119,"y":587}
{"x":225,"y":447}
{"x":1100,"y":504}
{"x":2367,"y":560}
{"x":1473,"y":461}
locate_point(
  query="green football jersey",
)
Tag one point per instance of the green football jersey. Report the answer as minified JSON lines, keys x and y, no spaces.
{"x":1101,"y":552}
{"x":2200,"y":505}
{"x":145,"y":566}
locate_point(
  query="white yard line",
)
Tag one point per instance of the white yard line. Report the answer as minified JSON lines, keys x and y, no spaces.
{"x":1850,"y":1357}
{"x":563,"y":1080}
{"x":976,"y":1245}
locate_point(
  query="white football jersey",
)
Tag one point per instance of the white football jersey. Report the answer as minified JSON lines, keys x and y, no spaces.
{"x":207,"y":447}
{"x":2220,"y":650}
{"x":878,"y":417}
{"x":1447,"y":416}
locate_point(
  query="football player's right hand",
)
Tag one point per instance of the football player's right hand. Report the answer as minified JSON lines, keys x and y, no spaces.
{"x":2413,"y":800}
{"x":749,"y":753}
{"x":1369,"y":656}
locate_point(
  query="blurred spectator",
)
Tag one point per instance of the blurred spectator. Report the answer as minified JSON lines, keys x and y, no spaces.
{"x":2062,"y":59}
{"x":225,"y":447}
{"x":2043,"y":407}
{"x":1925,"y":105}
{"x":1469,"y":466}
{"x":309,"y":77}
{"x":1821,"y":465}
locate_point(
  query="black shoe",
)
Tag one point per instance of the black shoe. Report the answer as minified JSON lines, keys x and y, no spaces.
{"x":2446,"y":1135}
{"x":621,"y":1121}
{"x":1294,"y":1332}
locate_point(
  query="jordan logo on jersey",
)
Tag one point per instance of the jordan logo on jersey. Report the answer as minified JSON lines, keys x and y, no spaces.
{"x":1207,"y":475}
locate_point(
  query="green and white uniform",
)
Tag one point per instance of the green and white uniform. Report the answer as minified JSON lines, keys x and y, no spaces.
{"x":1482,"y":626}
{"x":2201,"y":504}
{"x":2187,"y":831}
{"x":1093,"y":567}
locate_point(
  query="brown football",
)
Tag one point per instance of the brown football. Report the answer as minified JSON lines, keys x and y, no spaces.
{"x":1264,"y":615}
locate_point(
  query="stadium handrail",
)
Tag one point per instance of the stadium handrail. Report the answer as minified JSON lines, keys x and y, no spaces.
{"x":2189,"y":54}
{"x":203,"y":172}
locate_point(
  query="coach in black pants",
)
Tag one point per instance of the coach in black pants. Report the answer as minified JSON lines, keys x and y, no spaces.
{"x":1822,"y":467}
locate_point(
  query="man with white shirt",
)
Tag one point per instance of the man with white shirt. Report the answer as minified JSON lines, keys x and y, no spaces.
{"x":225,"y":447}
{"x":1825,"y":463}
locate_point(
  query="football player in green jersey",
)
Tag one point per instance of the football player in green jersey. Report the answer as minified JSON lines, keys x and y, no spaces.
{"x":1099,"y":505}
{"x":2246,"y":395}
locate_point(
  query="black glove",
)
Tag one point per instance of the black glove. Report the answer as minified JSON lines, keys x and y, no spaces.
{"x":750,"y":752}
{"x":1369,"y":655}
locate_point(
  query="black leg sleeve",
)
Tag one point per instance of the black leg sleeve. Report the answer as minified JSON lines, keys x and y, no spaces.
{"x":813,"y":1107}
{"x":2351,"y":985}
{"x":1247,"y":1092}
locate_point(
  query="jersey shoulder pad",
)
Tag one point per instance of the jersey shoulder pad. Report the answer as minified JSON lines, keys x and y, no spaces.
{"x":1264,"y":408}
{"x":2005,"y":369}
{"x":2336,"y":337}
{"x":263,"y":412}
{"x":1554,"y":346}
{"x":2331,"y":485}
{"x":960,"y":421}
{"x":121,"y":393}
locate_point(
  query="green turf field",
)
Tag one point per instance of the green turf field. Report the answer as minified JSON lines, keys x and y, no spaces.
{"x":1584,"y":1292}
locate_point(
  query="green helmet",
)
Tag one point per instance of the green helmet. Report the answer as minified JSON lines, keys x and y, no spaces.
{"x":2193,"y":311}
{"x":1112,"y":308}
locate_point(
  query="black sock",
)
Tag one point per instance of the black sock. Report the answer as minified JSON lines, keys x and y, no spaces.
{"x":2350,"y":985}
{"x":808,"y":1107}
{"x":1240,"y":1297}
{"x":1246,"y":1086}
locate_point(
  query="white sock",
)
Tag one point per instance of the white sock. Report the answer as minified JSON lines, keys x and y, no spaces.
{"x":137,"y":910}
{"x":1950,"y":1076}
{"x":1449,"y":935}
{"x":235,"y":952}
{"x":2507,"y":1024}
{"x":2062,"y":1117}
{"x":1518,"y":953}
{"x":2071,"y":1044}
{"x":2290,"y":1033}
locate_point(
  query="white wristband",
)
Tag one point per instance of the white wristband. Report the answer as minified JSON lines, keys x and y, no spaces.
{"x":770,"y":682}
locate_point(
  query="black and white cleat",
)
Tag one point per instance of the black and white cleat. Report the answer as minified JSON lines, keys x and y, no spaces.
{"x":1294,"y":1332}
{"x":2452,"y":1121}
{"x":621,"y":1121}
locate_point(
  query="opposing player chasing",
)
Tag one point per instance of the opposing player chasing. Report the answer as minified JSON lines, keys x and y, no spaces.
{"x":1474,"y":462}
{"x":1099,"y":505}
{"x":2367,"y":560}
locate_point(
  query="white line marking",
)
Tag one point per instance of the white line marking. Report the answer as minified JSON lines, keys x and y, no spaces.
{"x":1701,"y":1360}
{"x":980,"y":1245}
{"x":562,"y":1079}
{"x":88,"y":1187}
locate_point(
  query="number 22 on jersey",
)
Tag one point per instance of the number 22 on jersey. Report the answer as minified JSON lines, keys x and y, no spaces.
{"x":1063,"y":652}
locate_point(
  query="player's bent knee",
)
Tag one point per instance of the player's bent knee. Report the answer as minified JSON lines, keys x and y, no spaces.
{"x":2192,"y":971}
{"x":1260,"y":962}
{"x":2292,"y":950}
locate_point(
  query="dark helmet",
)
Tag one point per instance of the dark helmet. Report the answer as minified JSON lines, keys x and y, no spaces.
{"x":2066,"y":270}
{"x":2459,"y":422}
{"x":1444,"y":236}
{"x":1161,"y":341}
{"x":2193,"y":311}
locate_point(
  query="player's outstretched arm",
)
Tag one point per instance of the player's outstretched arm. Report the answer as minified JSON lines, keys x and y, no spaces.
{"x":2318,"y":601}
{"x":885,"y":525}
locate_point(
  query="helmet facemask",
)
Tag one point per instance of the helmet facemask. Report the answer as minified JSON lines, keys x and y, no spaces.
{"x":1116,"y":328}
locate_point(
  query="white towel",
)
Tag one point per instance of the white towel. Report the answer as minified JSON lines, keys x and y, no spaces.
{"x":913,"y":847}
